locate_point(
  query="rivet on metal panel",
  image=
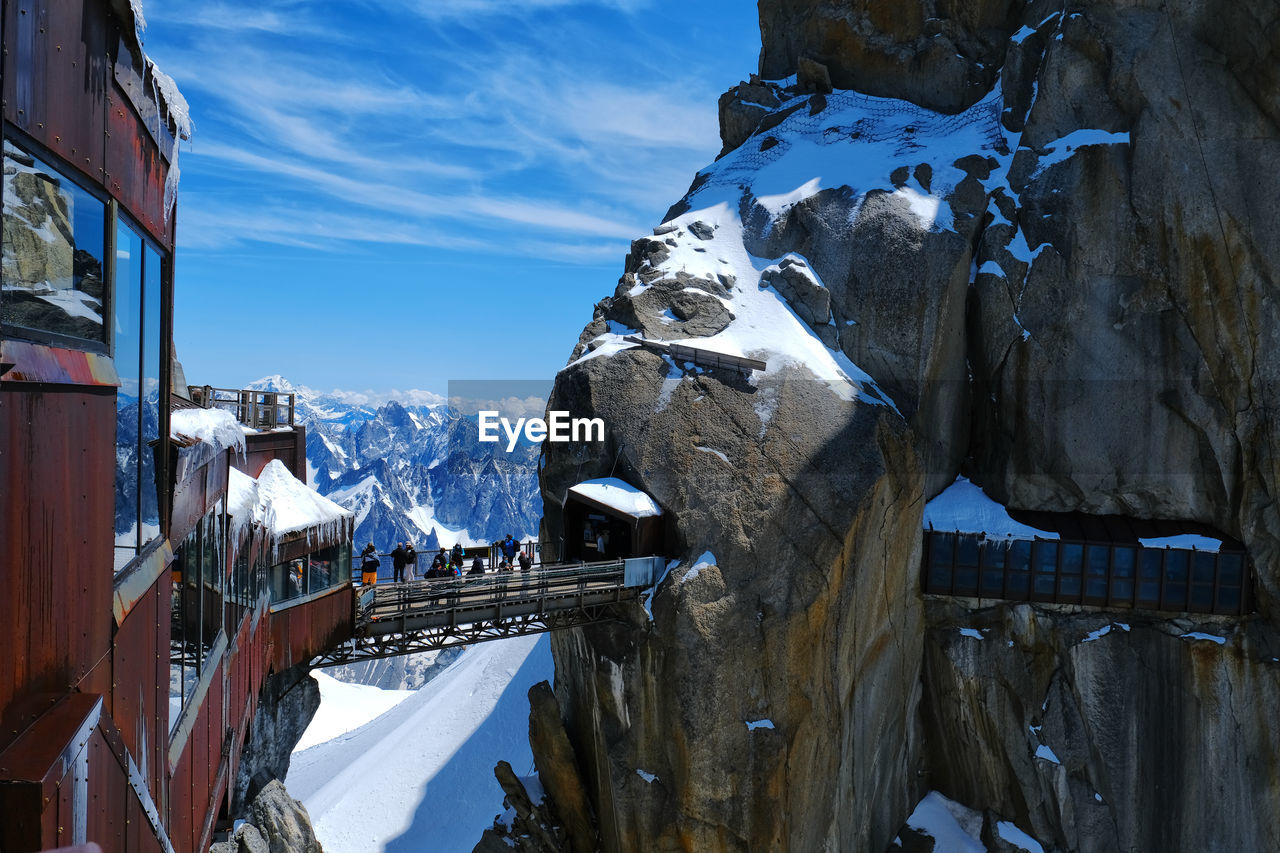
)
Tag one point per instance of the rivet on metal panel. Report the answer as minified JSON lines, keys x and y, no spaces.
{"x":57,"y":139}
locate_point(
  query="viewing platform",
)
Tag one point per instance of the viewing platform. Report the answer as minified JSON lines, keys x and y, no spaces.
{"x":258,"y":410}
{"x":425,"y":615}
{"x":975,"y":548}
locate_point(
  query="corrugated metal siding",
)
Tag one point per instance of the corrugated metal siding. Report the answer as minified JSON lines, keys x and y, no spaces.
{"x":56,"y":537}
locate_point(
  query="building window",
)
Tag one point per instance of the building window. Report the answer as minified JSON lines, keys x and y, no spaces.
{"x":136,"y":351}
{"x":313,"y":573}
{"x":52,"y":277}
{"x":196,"y":615}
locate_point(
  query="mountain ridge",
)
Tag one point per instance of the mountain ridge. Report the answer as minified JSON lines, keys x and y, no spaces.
{"x":412,"y":471}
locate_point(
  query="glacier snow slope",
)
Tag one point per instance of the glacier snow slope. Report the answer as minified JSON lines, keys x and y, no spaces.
{"x":419,"y":777}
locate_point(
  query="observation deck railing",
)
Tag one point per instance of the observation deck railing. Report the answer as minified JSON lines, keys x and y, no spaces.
{"x":255,"y":409}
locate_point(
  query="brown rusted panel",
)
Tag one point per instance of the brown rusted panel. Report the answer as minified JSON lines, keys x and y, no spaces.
{"x":189,"y":504}
{"x":33,"y":769}
{"x":109,"y":794}
{"x":180,"y":812}
{"x":215,"y":482}
{"x":289,"y":447}
{"x":217,"y":727}
{"x":198,"y":749}
{"x":155,"y":770}
{"x":300,"y":633}
{"x":55,"y":77}
{"x":199,"y":492}
{"x":299,"y":466}
{"x":76,"y":74}
{"x":22,"y":806}
{"x":138,"y":830}
{"x":135,"y":171}
{"x":133,"y":699}
{"x":57,"y":460}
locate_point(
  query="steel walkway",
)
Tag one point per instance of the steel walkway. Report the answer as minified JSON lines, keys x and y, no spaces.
{"x":425,"y":615}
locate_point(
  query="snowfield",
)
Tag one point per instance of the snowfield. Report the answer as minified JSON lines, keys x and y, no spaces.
{"x":419,"y":776}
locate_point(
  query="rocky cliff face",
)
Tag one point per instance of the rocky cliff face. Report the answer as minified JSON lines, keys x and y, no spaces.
{"x":1026,"y":240}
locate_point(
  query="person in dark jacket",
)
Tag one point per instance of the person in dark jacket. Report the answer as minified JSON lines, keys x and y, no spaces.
{"x":477,"y":566}
{"x":509,"y":547}
{"x":456,"y":554}
{"x":441,"y":559}
{"x":399,"y":559}
{"x":369,"y":565}
{"x":526,"y":562}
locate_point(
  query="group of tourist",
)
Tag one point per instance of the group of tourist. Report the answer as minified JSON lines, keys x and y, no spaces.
{"x":445,"y":564}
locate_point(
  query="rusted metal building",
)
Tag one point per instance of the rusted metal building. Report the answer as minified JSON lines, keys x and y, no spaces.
{"x":142,"y":613}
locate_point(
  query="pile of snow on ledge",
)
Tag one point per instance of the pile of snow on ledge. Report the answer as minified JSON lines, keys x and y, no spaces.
{"x":206,"y":433}
{"x":620,"y":495}
{"x":964,"y":507}
{"x":283,"y":505}
{"x":955,"y":828}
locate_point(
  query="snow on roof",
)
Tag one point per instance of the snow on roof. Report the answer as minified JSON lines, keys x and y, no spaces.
{"x":283,"y":505}
{"x":619,"y":495}
{"x":214,"y":426}
{"x":1184,"y":540}
{"x":168,"y":100}
{"x":287,"y":505}
{"x":964,"y":507}
{"x":203,"y":434}
{"x":242,"y":495}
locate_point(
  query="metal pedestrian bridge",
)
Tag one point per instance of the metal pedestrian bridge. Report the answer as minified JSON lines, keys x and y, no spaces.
{"x":426,"y":615}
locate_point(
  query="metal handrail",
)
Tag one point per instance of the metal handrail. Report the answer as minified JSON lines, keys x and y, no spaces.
{"x":440,"y":594}
{"x":257,"y":409}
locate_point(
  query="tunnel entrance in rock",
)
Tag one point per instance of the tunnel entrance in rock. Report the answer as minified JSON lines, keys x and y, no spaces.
{"x":976,"y":548}
{"x":609,"y":519}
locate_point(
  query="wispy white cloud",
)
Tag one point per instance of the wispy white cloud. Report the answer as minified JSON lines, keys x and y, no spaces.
{"x":410,"y":397}
{"x":392,"y":198}
{"x":236,"y":18}
{"x":446,"y":9}
{"x":471,"y":139}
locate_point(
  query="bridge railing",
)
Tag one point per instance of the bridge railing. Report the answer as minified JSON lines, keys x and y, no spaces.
{"x":445,"y":593}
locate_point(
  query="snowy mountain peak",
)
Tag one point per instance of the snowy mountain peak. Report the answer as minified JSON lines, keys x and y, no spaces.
{"x":274,"y":382}
{"x":413,"y":471}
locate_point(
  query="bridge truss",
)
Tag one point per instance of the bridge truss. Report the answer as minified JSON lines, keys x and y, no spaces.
{"x":427,"y":615}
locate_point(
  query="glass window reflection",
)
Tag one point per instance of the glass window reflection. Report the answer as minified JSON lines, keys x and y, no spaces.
{"x":51,"y":275}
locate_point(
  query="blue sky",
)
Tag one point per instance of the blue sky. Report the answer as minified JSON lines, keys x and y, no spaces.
{"x":392,"y":194}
